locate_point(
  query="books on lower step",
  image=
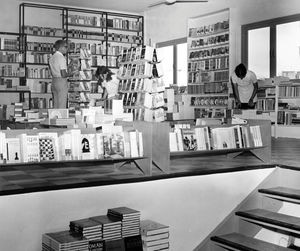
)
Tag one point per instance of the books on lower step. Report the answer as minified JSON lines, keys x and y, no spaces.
{"x":70,"y":145}
{"x":155,"y":235}
{"x":215,"y":138}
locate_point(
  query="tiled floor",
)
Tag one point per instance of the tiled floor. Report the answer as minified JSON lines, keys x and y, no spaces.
{"x":37,"y":177}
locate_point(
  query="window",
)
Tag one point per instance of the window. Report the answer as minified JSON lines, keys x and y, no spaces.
{"x":173,"y":55}
{"x":272,"y":47}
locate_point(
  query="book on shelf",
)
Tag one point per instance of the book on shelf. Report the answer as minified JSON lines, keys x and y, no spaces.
{"x":29,"y":148}
{"x":88,"y":146}
{"x":9,"y":43}
{"x":209,"y":29}
{"x":3,"y":148}
{"x":13,"y":150}
{"x":48,"y":146}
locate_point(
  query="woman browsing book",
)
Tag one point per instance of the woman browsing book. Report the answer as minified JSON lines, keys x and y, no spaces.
{"x":106,"y":82}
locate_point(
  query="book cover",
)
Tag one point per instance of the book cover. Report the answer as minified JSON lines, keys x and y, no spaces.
{"x":48,"y":143}
{"x":133,"y":243}
{"x":30,"y":150}
{"x":114,"y":245}
{"x":189,"y":140}
{"x":106,"y":220}
{"x":96,"y":245}
{"x":13,"y":150}
{"x":88,"y":145}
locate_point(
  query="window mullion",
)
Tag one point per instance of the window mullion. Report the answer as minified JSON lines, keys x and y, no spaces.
{"x":175,"y":64}
{"x":273,"y":38}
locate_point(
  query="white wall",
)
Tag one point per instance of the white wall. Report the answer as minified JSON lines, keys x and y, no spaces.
{"x":191,"y":206}
{"x":165,"y":23}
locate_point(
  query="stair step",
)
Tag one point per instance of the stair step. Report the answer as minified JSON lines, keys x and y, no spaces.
{"x":281,"y":222}
{"x":282,"y":193}
{"x":236,"y":241}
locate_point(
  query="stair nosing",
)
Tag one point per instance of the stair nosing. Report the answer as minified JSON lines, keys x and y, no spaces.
{"x":249,"y":214}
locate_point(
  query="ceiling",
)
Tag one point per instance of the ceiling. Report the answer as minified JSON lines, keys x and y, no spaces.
{"x":134,"y":6}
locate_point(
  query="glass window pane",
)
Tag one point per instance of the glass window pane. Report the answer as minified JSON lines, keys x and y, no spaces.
{"x":288,"y":50}
{"x":165,"y":54}
{"x":259,"y":52}
{"x":182,"y":64}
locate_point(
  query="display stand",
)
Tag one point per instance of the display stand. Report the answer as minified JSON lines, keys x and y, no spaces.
{"x":140,"y":162}
{"x":263,"y":153}
{"x":155,"y":144}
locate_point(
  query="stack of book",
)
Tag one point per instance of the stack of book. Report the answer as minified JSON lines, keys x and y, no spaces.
{"x":88,"y":228}
{"x":130,"y":219}
{"x":64,"y":241}
{"x":155,"y":236}
{"x":111,"y":227}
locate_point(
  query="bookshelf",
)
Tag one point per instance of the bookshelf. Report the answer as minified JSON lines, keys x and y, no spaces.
{"x":280,"y":98}
{"x":208,"y":64}
{"x":104,"y":34}
{"x":141,"y":86}
{"x":12,"y":73}
{"x":80,"y":84}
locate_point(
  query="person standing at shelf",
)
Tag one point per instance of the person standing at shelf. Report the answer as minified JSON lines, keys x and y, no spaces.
{"x":106,"y":82}
{"x":244,"y":85}
{"x":59,"y":72}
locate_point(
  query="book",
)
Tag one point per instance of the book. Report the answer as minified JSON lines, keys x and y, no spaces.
{"x":133,"y":243}
{"x":156,"y":237}
{"x":114,"y":245}
{"x":64,"y":240}
{"x":134,"y":147}
{"x":3,"y":147}
{"x":13,"y":150}
{"x":48,"y":144}
{"x":76,"y":144}
{"x":65,"y":146}
{"x":150,"y":227}
{"x":189,"y":140}
{"x":99,"y":143}
{"x":88,"y":146}
{"x":30,"y":150}
{"x":156,"y":242}
{"x":58,"y":113}
{"x":161,"y":247}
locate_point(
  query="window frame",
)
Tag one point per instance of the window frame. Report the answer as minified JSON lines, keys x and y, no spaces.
{"x":173,"y":43}
{"x":273,"y":43}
